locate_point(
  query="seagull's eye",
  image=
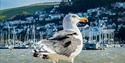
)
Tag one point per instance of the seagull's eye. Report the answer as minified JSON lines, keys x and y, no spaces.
{"x":73,"y":16}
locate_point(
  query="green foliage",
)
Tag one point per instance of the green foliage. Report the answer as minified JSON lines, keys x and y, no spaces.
{"x":83,"y":5}
{"x":2,"y":17}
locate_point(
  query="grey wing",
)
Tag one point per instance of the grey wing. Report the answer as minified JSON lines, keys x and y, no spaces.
{"x":66,"y":46}
{"x":64,"y":43}
{"x":62,"y":34}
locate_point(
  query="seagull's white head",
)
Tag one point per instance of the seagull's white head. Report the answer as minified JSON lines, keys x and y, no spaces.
{"x":70,"y":21}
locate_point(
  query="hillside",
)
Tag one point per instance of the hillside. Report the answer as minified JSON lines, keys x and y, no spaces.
{"x":29,"y":9}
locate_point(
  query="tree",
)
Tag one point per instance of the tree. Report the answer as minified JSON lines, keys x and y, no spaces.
{"x":83,"y":5}
{"x":2,"y":18}
{"x":122,"y":33}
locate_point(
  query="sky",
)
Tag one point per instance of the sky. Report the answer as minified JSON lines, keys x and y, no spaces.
{"x":5,"y":4}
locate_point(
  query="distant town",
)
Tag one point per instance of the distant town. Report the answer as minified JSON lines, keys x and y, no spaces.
{"x":105,"y":28}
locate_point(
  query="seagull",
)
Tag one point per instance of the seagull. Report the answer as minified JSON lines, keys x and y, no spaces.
{"x":63,"y":45}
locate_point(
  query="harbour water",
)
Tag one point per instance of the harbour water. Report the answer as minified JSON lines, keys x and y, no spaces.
{"x":109,"y":55}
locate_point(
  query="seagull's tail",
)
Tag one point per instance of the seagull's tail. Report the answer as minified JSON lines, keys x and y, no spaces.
{"x":43,"y":47}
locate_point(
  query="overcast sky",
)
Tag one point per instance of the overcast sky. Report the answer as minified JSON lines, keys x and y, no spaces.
{"x":5,"y":4}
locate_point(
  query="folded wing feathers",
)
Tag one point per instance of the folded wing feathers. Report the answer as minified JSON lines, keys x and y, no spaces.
{"x":62,"y":34}
{"x":63,"y":43}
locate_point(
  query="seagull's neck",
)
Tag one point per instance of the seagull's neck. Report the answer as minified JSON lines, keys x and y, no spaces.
{"x":72,"y":27}
{"x":69,"y":26}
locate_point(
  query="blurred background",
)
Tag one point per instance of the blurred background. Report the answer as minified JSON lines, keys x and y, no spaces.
{"x":25,"y":22}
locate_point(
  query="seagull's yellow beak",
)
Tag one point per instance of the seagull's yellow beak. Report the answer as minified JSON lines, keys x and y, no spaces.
{"x":84,"y":20}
